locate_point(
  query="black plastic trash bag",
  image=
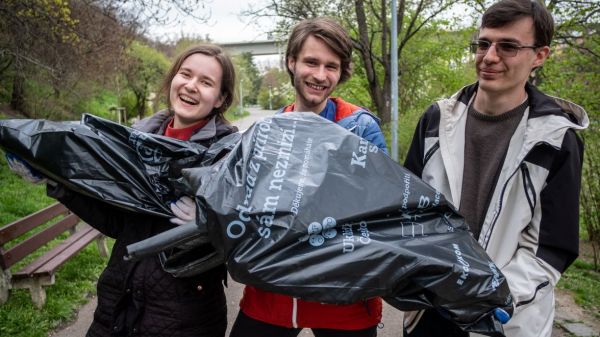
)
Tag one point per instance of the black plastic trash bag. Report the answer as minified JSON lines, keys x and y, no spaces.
{"x":305,"y":208}
{"x":122,"y":166}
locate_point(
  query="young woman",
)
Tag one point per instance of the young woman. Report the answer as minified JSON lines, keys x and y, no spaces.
{"x":139,"y":298}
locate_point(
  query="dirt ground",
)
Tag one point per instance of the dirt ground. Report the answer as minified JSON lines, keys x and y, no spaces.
{"x":567,"y":310}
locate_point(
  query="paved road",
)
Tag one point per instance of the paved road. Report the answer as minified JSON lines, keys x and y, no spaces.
{"x":255,"y":114}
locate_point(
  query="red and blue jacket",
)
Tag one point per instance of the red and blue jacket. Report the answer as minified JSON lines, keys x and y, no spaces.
{"x":354,"y":118}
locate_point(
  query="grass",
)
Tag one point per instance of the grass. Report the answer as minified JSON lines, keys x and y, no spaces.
{"x":75,"y":280}
{"x":233,"y":114}
{"x":100,"y":104}
{"x":18,"y":198}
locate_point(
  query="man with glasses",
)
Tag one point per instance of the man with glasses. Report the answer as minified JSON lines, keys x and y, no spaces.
{"x":507,"y":156}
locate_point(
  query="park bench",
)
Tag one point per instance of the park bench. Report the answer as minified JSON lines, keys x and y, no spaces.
{"x":40,"y":272}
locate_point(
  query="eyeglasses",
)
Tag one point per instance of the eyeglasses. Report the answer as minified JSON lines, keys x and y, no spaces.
{"x":503,"y":48}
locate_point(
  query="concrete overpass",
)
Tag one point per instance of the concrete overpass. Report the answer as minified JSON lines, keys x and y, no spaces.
{"x":256,"y":48}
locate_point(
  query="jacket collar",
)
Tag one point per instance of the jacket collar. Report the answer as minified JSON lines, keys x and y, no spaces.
{"x":345,"y":111}
{"x":540,"y":105}
{"x":158,"y":122}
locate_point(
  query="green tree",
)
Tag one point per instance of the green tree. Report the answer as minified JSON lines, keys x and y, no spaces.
{"x":573,"y":73}
{"x":173,"y":49}
{"x":436,"y":64}
{"x":145,"y":70}
{"x":369,"y":24}
{"x":276,"y":90}
{"x":24,"y":26}
{"x":49,"y":49}
{"x":248,"y":76}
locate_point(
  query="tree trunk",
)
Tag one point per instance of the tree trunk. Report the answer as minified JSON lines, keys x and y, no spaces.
{"x":377,"y":95}
{"x":386,"y":45}
{"x":140,"y":104}
{"x":5,"y":65}
{"x":379,"y":99}
{"x":17,"y":99}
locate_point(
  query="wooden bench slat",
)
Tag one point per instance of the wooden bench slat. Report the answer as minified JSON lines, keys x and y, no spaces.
{"x":21,"y":250}
{"x":32,"y":268}
{"x":24,"y":225}
{"x":50,"y":267}
{"x":40,"y":273}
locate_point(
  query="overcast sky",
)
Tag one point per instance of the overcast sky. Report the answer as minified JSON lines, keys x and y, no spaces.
{"x":225,"y":24}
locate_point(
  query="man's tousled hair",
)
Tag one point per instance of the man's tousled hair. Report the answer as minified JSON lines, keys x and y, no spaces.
{"x":329,"y":32}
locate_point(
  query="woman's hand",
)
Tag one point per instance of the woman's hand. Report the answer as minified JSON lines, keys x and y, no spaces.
{"x":184,"y":209}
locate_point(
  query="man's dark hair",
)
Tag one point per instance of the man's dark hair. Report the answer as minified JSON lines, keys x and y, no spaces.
{"x":506,"y":11}
{"x":328,"y":31}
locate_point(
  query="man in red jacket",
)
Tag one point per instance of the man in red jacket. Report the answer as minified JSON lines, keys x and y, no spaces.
{"x":318,"y":57}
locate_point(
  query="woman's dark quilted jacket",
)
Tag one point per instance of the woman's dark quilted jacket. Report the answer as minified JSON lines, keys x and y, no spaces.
{"x":139,"y":298}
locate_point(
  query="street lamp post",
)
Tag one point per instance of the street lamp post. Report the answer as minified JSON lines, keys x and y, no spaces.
{"x":394,"y":80}
{"x":241,"y":96}
{"x":270,"y":105}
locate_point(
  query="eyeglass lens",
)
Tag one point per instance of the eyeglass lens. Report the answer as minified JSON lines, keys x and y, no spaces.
{"x":503,"y":48}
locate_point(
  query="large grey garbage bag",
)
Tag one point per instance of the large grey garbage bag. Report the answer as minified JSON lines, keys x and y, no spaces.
{"x":305,"y":208}
{"x":299,"y":206}
{"x":119,"y":165}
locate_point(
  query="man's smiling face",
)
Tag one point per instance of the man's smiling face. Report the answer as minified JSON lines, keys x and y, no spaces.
{"x":317,"y":71}
{"x":507,"y":75}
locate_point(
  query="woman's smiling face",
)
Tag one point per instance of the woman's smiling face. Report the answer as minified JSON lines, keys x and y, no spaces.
{"x":195,"y":89}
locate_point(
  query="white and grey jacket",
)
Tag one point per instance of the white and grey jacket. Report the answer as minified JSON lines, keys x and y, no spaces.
{"x":531,"y":227}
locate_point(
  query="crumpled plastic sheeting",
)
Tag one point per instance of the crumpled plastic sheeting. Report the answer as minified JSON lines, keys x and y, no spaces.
{"x":300,"y":206}
{"x":117,"y":164}
{"x":305,"y":208}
